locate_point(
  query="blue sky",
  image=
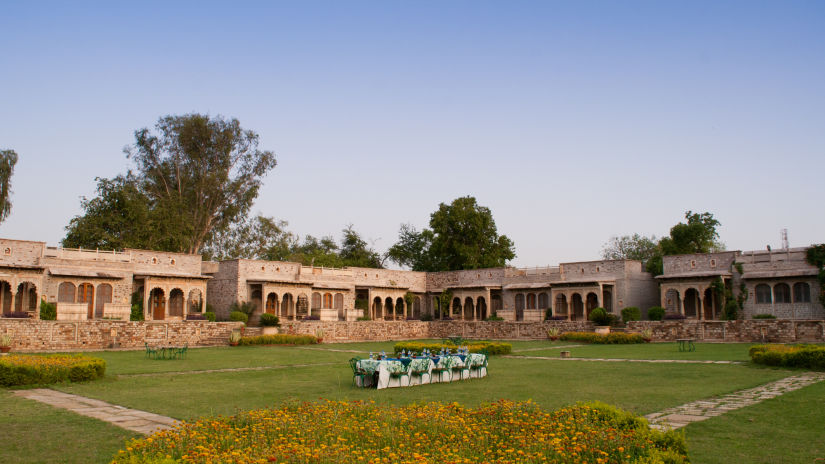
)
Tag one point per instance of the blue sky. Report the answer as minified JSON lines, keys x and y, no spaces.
{"x":572,"y":121}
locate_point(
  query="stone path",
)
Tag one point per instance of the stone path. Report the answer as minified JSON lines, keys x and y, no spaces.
{"x":664,"y":361}
{"x":542,"y":348}
{"x":229,"y":369}
{"x":130,"y":419}
{"x":696,"y":411}
{"x":331,"y":349}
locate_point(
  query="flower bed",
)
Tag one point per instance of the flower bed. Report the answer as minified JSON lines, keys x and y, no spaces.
{"x":335,"y":432}
{"x":279,"y":339}
{"x":474,"y":346}
{"x":23,"y":369}
{"x":616,"y":338}
{"x":805,"y":356}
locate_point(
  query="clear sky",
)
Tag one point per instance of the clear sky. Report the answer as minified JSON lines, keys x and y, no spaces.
{"x":572,"y":121}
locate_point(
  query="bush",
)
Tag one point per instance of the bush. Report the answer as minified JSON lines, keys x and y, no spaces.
{"x":631,"y":313}
{"x":731,"y":310}
{"x":800,"y":356}
{"x":279,"y":339}
{"x":270,"y":320}
{"x":548,"y":314}
{"x":209,"y":315}
{"x":656,"y":313}
{"x":48,"y":311}
{"x":20,"y":369}
{"x":600,"y":317}
{"x":491,"y":348}
{"x":137,"y":313}
{"x":246,"y":307}
{"x":495,"y":317}
{"x":764,"y":316}
{"x":617,"y":338}
{"x":237,"y":316}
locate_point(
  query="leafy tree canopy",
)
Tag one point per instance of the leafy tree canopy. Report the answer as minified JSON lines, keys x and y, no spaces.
{"x":8,"y":159}
{"x":634,"y":246}
{"x":197,"y":176}
{"x":462,"y":235}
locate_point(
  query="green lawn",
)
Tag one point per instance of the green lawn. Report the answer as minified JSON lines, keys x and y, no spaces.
{"x":704,"y":351}
{"x":313,"y":372}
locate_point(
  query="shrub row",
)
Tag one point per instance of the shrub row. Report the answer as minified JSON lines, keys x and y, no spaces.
{"x":279,"y":339}
{"x":490,"y":348}
{"x":618,"y":338}
{"x":804,"y":356}
{"x":21,"y":369}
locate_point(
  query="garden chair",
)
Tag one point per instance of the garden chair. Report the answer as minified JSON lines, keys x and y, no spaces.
{"x":358,"y":373}
{"x":151,"y":353}
{"x":398,"y":372}
{"x":479,"y":368}
{"x":443,"y":367}
{"x":181,"y":352}
{"x":460,"y":368}
{"x":419,"y":368}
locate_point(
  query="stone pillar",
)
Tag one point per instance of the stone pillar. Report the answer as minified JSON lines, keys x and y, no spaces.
{"x":681,"y":295}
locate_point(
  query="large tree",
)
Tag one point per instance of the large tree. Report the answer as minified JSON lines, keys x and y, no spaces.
{"x":634,"y":246}
{"x":462,"y":235}
{"x":196,"y":175}
{"x":8,"y":159}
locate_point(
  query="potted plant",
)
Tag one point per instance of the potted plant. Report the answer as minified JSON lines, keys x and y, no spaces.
{"x":235,"y":337}
{"x":319,"y":334}
{"x":5,"y":343}
{"x":270,"y":324}
{"x":553,"y":333}
{"x":647,"y":335}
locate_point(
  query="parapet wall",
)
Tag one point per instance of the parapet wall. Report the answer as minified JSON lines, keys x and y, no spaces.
{"x":755,"y":331}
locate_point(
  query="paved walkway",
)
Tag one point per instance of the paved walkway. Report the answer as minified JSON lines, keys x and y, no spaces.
{"x":130,"y":419}
{"x":542,"y":348}
{"x":663,"y":361}
{"x":696,"y":411}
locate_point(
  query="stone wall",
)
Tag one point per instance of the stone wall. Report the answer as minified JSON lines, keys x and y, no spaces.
{"x":757,"y":331}
{"x":36,"y":335}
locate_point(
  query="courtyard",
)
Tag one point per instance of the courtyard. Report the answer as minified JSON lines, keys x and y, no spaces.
{"x":643,"y":379}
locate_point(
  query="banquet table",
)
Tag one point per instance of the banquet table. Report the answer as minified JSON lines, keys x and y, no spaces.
{"x":419,"y":370}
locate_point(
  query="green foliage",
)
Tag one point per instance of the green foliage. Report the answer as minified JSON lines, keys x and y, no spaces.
{"x":495,"y":317}
{"x":475,"y":346}
{"x":363,"y":318}
{"x":815,"y":256}
{"x":355,"y":251}
{"x":409,"y":298}
{"x":427,"y":317}
{"x":270,"y":320}
{"x":600,"y":317}
{"x":137,"y":313}
{"x":246,"y":307}
{"x":8,"y":159}
{"x":637,"y":247}
{"x":671,"y":442}
{"x":631,"y":313}
{"x":20,"y":369}
{"x":238,"y":316}
{"x":656,"y":313}
{"x":615,"y":338}
{"x":799,"y":356}
{"x":48,"y":311}
{"x":548,"y":314}
{"x":445,"y":300}
{"x":362,"y":304}
{"x":764,"y":316}
{"x":462,"y":235}
{"x":279,"y":339}
{"x":209,"y":315}
{"x":697,"y":235}
{"x":731,"y":310}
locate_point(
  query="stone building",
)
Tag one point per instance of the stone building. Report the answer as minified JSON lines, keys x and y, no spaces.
{"x":780,"y":283}
{"x":92,"y":284}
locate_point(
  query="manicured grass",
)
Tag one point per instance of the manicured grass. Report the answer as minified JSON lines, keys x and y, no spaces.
{"x":704,"y":351}
{"x":34,"y":432}
{"x":783,"y":430}
{"x":641,"y":388}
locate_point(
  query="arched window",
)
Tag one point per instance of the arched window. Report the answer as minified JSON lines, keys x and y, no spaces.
{"x":338,"y":301}
{"x":272,"y":303}
{"x":65,"y":292}
{"x":544,"y":301}
{"x":531,"y":301}
{"x":519,"y":301}
{"x":86,"y":294}
{"x":763,"y":293}
{"x":316,"y":300}
{"x":782,"y":293}
{"x":104,"y":295}
{"x":801,"y":292}
{"x":176,"y":303}
{"x":327,"y":300}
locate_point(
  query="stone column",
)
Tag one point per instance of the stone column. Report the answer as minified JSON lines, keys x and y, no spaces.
{"x":681,"y":302}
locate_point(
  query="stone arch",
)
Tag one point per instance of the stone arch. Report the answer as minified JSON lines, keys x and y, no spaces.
{"x":316,"y":300}
{"x":531,"y":301}
{"x":763,"y":294}
{"x":710,"y":304}
{"x":519,"y":301}
{"x":338,"y":304}
{"x":577,"y":307}
{"x":66,"y":292}
{"x":26,"y":297}
{"x":86,"y":294}
{"x":436,"y":307}
{"x":673,"y":302}
{"x":560,"y":305}
{"x":781,"y":293}
{"x":195,"y":301}
{"x":607,"y":300}
{"x":592,"y":303}
{"x":399,"y":308}
{"x":287,"y":306}
{"x":544,"y":300}
{"x":377,"y":309}
{"x":327,"y":303}
{"x":455,"y":307}
{"x":389,"y":308}
{"x":104,"y":295}
{"x":302,"y":306}
{"x":801,"y":292}
{"x":176,"y":303}
{"x":691,"y":303}
{"x":271,"y":306}
{"x":5,"y":296}
{"x":469,"y":309}
{"x":481,"y":303}
{"x":157,"y":304}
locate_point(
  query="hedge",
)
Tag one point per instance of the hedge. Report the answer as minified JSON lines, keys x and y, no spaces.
{"x":617,"y":338}
{"x":237,"y":316}
{"x":475,"y":347}
{"x":22,"y":369}
{"x":631,"y":313}
{"x":803,"y":356}
{"x":279,"y":339}
{"x":656,"y":313}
